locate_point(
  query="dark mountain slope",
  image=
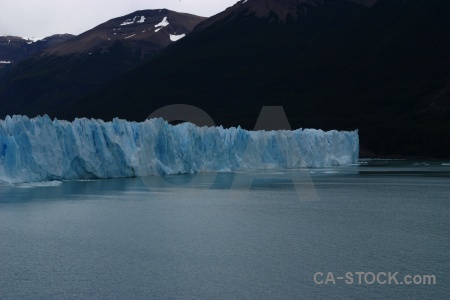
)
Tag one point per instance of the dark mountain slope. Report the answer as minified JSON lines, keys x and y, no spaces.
{"x":388,"y":78}
{"x":228,"y":63}
{"x":336,"y":65}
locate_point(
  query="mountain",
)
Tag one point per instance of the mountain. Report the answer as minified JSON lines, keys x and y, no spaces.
{"x":145,"y":31}
{"x":14,"y":49}
{"x":225,"y":63}
{"x":343,"y":65}
{"x":64,"y":73}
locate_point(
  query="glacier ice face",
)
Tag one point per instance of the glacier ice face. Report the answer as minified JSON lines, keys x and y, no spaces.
{"x":40,"y":149}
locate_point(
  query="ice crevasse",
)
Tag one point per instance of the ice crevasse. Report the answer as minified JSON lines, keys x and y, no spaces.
{"x":41,"y":149}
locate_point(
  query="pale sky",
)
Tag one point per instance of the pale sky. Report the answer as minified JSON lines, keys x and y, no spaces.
{"x":41,"y":18}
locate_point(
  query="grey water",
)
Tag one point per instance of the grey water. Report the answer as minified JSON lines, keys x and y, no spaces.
{"x":257,"y":235}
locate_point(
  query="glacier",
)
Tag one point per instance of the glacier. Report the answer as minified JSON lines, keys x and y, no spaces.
{"x":41,"y":149}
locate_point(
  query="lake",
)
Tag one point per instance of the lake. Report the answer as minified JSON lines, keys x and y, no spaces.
{"x":257,"y":235}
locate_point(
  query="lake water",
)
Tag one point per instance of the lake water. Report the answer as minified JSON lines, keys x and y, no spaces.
{"x":259,"y":235}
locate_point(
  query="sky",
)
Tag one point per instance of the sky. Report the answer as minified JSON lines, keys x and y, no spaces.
{"x":41,"y":18}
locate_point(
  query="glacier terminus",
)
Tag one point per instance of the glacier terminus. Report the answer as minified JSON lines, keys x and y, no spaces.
{"x":42,"y":149}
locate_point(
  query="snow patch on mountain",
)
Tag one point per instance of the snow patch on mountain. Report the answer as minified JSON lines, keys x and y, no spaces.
{"x":129,"y":21}
{"x":175,"y":38}
{"x":33,"y":39}
{"x":163,"y":23}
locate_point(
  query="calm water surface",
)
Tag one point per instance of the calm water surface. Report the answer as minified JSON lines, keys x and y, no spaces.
{"x":256,"y":235}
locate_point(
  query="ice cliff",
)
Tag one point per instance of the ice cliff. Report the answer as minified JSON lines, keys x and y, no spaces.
{"x":41,"y":149}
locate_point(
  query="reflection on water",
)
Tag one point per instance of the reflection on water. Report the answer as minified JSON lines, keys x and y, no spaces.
{"x":280,"y":179}
{"x":256,"y":235}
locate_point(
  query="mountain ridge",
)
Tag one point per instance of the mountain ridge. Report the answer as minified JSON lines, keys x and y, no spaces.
{"x":14,"y":49}
{"x":152,"y":27}
{"x":283,"y":9}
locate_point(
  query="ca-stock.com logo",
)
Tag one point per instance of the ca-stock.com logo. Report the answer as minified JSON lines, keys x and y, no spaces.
{"x":296,"y":184}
